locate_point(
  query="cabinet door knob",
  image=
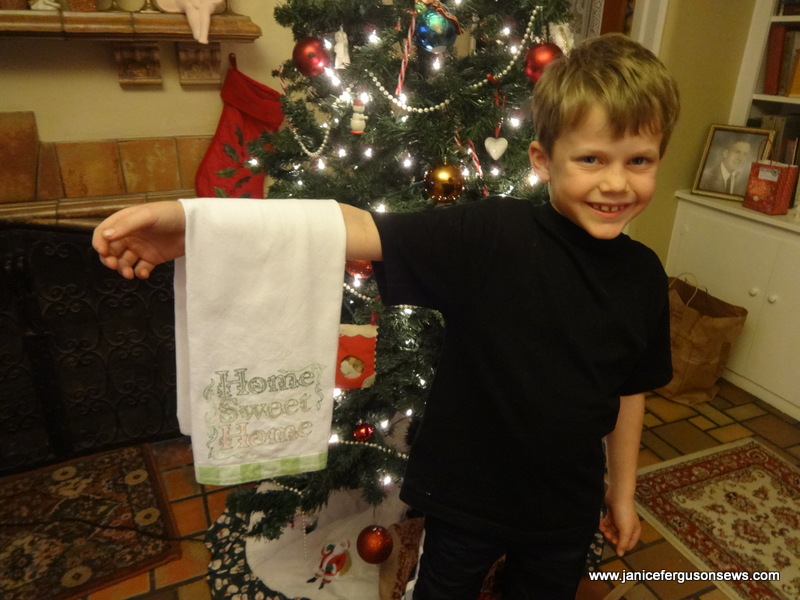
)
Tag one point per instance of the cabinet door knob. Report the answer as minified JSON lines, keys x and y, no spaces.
{"x":753,"y":291}
{"x":772,"y":299}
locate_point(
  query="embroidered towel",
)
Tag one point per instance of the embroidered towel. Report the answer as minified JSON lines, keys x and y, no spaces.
{"x":257,"y":308}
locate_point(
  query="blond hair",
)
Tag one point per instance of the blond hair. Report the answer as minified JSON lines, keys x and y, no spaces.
{"x":611,"y":72}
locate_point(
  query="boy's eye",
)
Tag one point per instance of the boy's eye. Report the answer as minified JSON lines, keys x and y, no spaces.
{"x":640,"y":161}
{"x":588,"y":160}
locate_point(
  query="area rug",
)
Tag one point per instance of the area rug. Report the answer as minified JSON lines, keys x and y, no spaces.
{"x":735,"y":509}
{"x":70,"y":529}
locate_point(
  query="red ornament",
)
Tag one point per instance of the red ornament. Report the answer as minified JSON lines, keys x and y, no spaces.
{"x":538,"y":57}
{"x":374,"y":544}
{"x":310,"y":56}
{"x":359,"y":268}
{"x":363,"y":432}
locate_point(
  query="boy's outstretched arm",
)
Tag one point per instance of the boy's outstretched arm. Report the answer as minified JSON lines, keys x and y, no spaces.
{"x":621,"y":524}
{"x":363,"y":240}
{"x":136,"y":239}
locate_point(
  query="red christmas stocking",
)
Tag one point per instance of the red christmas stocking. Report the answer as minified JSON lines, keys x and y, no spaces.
{"x":249,"y":108}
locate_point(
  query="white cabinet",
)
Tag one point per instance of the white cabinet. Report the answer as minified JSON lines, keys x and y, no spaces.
{"x":751,"y":260}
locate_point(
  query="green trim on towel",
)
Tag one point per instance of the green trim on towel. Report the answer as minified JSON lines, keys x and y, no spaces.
{"x":256,"y":471}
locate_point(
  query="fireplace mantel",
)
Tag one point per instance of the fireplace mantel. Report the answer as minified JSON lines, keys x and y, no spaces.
{"x":135,"y":37}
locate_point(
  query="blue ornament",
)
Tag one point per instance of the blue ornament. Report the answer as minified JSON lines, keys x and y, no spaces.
{"x":435,"y":31}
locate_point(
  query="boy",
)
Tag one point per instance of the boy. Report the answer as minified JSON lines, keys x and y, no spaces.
{"x":556,"y":325}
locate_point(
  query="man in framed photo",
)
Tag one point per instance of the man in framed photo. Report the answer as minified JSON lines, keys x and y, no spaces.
{"x":730,"y":174}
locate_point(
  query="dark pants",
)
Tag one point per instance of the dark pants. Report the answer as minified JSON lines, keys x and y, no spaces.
{"x":455,"y":562}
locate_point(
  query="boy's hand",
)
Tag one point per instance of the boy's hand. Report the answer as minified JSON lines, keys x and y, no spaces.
{"x":621,"y":524}
{"x":136,"y":239}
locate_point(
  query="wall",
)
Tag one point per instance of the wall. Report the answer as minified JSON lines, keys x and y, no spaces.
{"x":72,"y":86}
{"x":702,"y":46}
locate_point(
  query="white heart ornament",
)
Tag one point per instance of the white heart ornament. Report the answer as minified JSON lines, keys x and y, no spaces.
{"x":496,"y":147}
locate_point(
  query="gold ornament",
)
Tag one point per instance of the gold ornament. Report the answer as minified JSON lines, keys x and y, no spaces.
{"x":444,"y":183}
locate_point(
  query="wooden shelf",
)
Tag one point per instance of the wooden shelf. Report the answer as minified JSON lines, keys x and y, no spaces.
{"x":136,"y":37}
{"x":785,"y":19}
{"x":777,"y":99}
{"x":122,"y":26}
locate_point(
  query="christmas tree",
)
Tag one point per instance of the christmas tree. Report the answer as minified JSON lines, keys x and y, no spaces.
{"x":396,"y":105}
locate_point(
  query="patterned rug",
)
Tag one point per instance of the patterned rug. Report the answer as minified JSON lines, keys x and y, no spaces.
{"x":734,"y":508}
{"x":70,"y":529}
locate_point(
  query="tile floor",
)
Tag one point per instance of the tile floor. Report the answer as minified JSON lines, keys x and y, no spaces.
{"x":673,"y":430}
{"x":670,"y":430}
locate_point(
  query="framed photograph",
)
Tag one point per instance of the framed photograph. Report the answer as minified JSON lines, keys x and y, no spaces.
{"x":729,"y":152}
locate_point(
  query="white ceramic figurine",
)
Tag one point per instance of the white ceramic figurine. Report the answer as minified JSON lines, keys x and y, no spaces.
{"x":198,"y":13}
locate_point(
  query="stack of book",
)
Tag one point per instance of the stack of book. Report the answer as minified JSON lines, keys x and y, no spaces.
{"x":772,"y":187}
{"x":781,"y":73}
{"x":787,"y":131}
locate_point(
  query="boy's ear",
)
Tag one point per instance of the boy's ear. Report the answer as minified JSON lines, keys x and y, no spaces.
{"x":540,"y":163}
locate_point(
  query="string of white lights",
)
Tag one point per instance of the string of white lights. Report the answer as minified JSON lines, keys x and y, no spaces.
{"x":401,"y":103}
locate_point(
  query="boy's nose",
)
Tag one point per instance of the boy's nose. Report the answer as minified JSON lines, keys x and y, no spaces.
{"x":614,"y":181}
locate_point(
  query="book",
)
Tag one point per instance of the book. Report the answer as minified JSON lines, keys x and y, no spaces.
{"x":786,"y":127}
{"x":788,"y":8}
{"x":791,"y":10}
{"x":790,"y":81}
{"x":772,"y":71}
{"x":770,"y":188}
{"x":790,"y":152}
{"x":793,"y":85}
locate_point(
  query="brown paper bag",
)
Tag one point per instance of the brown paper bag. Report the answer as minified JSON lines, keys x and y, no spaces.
{"x":703,"y":330}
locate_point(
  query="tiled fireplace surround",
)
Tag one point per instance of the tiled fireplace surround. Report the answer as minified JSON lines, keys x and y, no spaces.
{"x":76,"y":183}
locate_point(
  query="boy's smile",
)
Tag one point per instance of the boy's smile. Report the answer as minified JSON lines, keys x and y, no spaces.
{"x":598,"y":180}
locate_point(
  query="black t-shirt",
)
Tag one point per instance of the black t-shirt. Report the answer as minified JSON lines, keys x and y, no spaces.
{"x":545,"y":327}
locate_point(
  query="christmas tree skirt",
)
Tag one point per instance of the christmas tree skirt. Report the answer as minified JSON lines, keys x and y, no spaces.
{"x":316,"y":558}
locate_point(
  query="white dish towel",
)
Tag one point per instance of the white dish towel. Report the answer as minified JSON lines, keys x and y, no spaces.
{"x":257,"y":308}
